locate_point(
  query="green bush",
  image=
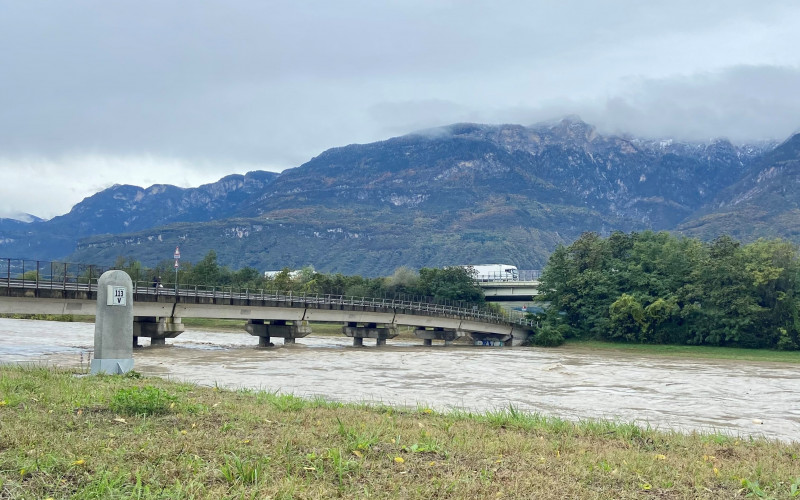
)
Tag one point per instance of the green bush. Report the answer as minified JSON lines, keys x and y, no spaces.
{"x":549,"y":335}
{"x":146,"y":400}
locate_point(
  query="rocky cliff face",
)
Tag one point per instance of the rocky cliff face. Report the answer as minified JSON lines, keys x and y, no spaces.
{"x":765,"y":202}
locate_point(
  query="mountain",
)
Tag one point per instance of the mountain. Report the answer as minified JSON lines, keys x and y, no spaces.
{"x":640,"y":183}
{"x":465,"y":193}
{"x":765,"y":202}
{"x":20,"y":217}
{"x":124,"y":208}
{"x":461,"y":194}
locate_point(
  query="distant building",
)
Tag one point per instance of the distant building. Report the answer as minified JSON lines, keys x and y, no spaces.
{"x":272,"y":274}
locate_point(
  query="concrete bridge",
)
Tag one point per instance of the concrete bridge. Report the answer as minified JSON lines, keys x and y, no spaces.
{"x":510,"y":291}
{"x":158,"y":312}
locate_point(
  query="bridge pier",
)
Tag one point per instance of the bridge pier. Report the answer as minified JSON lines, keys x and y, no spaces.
{"x":157,"y":328}
{"x":491,"y":339}
{"x":519,"y":336}
{"x":277,"y":328}
{"x":448,"y":335}
{"x":369,"y":331}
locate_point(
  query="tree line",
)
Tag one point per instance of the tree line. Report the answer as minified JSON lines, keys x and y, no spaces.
{"x":451,"y":284}
{"x":653,"y":287}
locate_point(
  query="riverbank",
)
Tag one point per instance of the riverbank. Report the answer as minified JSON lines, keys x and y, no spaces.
{"x":89,"y":437}
{"x":690,"y":351}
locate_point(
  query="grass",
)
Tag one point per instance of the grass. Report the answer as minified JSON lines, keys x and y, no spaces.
{"x":62,"y":436}
{"x":214,"y":324}
{"x":66,"y":318}
{"x":689,"y":351}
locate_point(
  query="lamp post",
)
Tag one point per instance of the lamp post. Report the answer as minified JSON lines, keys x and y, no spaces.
{"x":177,"y":257}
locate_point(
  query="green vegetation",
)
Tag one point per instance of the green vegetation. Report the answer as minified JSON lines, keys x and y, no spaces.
{"x":657,"y":288}
{"x":64,"y":436}
{"x":214,"y":324}
{"x":449,"y":284}
{"x":688,"y":351}
{"x":67,"y":318}
{"x":147,"y":400}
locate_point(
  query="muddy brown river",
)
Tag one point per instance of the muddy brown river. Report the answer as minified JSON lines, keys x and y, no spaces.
{"x":731,"y":397}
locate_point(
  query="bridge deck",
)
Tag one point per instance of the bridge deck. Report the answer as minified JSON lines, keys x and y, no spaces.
{"x":48,"y":297}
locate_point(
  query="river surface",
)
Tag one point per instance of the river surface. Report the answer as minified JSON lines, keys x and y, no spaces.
{"x":731,"y":397}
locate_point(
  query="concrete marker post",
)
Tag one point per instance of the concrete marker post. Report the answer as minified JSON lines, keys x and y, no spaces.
{"x":113,"y":326}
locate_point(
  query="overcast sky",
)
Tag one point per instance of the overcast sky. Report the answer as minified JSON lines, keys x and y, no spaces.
{"x":95,"y":93}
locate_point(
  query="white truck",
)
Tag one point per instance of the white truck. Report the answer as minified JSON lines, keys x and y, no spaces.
{"x":495,"y":272}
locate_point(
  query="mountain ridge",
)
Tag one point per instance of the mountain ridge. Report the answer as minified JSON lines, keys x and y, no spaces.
{"x":453,"y":195}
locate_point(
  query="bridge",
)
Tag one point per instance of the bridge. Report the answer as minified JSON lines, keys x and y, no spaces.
{"x":510,"y":291}
{"x":57,"y":288}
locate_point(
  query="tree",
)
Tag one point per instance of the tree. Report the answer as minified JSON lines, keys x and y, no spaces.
{"x":453,"y":283}
{"x":207,"y":271}
{"x":282,"y":282}
{"x":404,"y":280}
{"x":247,"y":277}
{"x":627,"y":320}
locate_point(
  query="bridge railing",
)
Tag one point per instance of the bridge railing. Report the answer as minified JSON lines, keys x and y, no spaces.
{"x":530,"y":274}
{"x":463,"y":310}
{"x":499,"y":276}
{"x":304,"y":299}
{"x":23,"y":273}
{"x":47,"y":274}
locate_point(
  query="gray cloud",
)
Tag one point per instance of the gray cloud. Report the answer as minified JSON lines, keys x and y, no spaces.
{"x":740,"y":103}
{"x":204,"y":90}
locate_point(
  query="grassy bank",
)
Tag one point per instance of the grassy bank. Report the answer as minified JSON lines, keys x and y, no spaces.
{"x":66,"y":318}
{"x":123,"y":437}
{"x":689,"y":351}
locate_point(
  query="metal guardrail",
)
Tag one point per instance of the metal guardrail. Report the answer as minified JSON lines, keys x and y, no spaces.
{"x":530,"y":274}
{"x":18,"y":273}
{"x":520,"y":275}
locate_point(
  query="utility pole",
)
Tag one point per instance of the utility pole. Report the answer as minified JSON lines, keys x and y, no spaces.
{"x":177,"y":257}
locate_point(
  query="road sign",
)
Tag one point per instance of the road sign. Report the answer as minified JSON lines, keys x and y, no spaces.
{"x":176,"y":263}
{"x":116,"y":296}
{"x":177,"y":254}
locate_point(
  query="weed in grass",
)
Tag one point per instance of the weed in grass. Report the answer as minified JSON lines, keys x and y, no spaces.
{"x":87,"y":367}
{"x":146,"y":400}
{"x":285,"y":494}
{"x":282,"y":402}
{"x":753,"y":489}
{"x":794,"y":489}
{"x":358,"y":439}
{"x":426,"y":444}
{"x":321,"y":402}
{"x":717,"y":438}
{"x":238,"y":470}
{"x":341,"y":466}
{"x":512,"y":417}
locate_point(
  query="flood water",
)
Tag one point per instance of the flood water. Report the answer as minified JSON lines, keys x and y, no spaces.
{"x":732,"y":397}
